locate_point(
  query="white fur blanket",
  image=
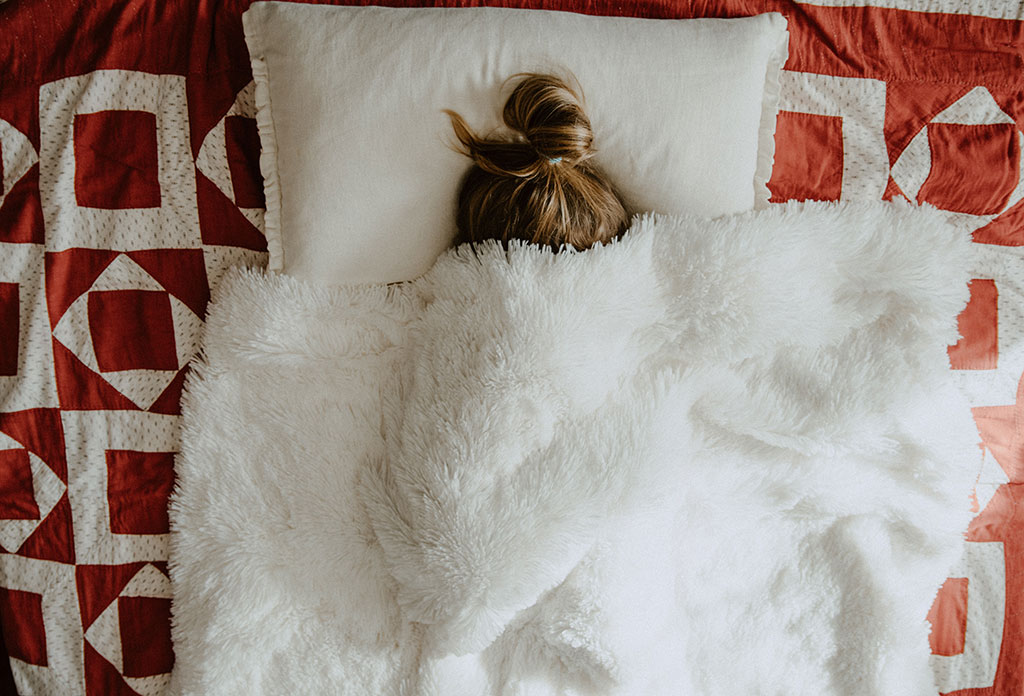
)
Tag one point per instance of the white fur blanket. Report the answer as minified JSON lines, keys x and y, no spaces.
{"x":715,"y":457}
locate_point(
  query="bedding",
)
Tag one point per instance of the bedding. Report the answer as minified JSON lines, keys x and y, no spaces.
{"x":599,"y":472}
{"x":383,"y":76}
{"x":106,"y":267}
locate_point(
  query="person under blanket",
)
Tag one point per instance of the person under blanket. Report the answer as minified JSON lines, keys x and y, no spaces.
{"x":542,"y":185}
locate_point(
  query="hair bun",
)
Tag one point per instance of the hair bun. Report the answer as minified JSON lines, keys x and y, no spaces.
{"x":549,"y":115}
{"x":541,"y":185}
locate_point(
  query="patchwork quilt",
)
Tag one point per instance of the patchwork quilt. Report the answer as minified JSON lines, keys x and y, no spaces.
{"x":129,"y":184}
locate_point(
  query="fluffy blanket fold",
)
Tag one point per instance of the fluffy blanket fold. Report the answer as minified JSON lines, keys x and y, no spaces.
{"x":713,"y":457}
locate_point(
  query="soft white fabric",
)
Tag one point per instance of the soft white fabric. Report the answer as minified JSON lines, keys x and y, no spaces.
{"x":360,"y":175}
{"x":715,"y":457}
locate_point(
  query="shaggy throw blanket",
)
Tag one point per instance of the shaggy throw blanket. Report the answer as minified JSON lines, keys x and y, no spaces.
{"x":713,"y":457}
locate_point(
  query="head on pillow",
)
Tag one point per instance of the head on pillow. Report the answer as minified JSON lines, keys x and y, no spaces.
{"x":540,"y":184}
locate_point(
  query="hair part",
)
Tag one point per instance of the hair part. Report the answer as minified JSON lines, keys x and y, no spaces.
{"x":540,"y":185}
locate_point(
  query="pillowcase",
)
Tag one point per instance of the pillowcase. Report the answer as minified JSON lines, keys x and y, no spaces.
{"x":358,"y":162}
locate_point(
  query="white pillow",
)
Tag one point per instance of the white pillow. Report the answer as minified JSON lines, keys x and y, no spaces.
{"x":360,"y":177}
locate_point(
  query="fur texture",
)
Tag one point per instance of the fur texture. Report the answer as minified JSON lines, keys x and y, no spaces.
{"x":714,"y":457}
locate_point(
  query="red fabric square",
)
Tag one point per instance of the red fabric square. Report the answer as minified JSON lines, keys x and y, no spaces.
{"x":21,"y":215}
{"x":132,"y":330}
{"x":948,"y":617}
{"x":138,"y":485}
{"x":24,"y":634}
{"x":17,"y":494}
{"x":243,"y":152}
{"x":146,"y":635}
{"x":979,"y":326}
{"x":116,"y":160}
{"x":974,"y":168}
{"x":808,"y":157}
{"x":10,"y":325}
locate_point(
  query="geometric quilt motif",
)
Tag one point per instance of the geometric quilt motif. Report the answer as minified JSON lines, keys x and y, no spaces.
{"x":836,"y":124}
{"x":965,"y":159}
{"x":230,"y":153}
{"x":35,"y":512}
{"x":229,"y":189}
{"x":40,"y":626}
{"x":29,"y":490}
{"x":116,"y":160}
{"x":128,"y":329}
{"x":145,"y":205}
{"x":116,"y":170}
{"x":120,"y":472}
{"x":126,"y":618}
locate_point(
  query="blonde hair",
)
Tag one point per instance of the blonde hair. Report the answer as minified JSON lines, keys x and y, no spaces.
{"x":540,"y":185}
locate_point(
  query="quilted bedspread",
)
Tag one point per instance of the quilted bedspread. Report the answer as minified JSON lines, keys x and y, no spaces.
{"x":129,"y":183}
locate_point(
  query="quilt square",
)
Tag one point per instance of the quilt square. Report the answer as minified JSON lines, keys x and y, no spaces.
{"x":983,"y":567}
{"x":857,"y":106}
{"x":125,"y":611}
{"x":124,"y":325}
{"x":110,"y":528}
{"x":132,"y":330}
{"x":104,"y":124}
{"x":116,"y":160}
{"x":38,"y":610}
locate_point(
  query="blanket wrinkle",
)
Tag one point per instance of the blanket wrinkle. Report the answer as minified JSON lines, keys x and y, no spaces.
{"x":602,"y":472}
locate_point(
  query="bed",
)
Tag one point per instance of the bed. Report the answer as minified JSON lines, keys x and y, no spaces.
{"x":130,"y":184}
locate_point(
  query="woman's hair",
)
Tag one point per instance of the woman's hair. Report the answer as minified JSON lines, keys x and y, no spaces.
{"x":541,"y":185}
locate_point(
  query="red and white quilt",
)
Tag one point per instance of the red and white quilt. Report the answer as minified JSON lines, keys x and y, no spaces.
{"x":129,"y":182}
